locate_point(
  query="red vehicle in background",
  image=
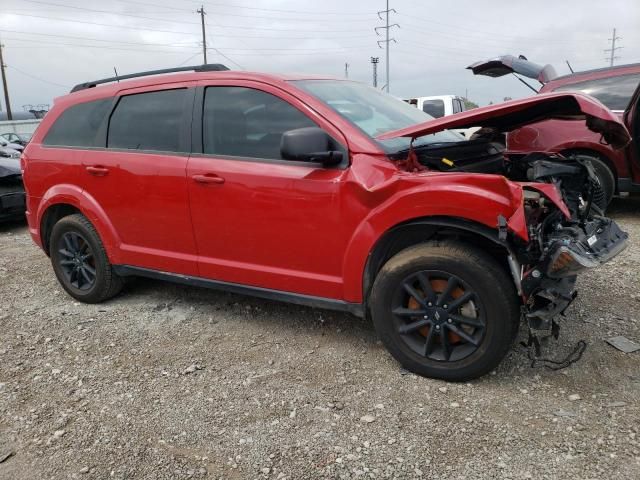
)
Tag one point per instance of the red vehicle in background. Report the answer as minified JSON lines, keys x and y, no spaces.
{"x":615,"y":87}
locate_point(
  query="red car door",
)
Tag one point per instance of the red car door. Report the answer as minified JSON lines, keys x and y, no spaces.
{"x":139,"y":179}
{"x":260,"y":220}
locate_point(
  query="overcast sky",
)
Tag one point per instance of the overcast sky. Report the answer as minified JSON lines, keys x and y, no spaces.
{"x":50,"y":45}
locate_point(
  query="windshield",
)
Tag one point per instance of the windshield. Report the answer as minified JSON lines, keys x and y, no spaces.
{"x":374,"y":112}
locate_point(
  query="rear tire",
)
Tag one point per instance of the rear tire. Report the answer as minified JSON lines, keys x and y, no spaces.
{"x":80,"y":261}
{"x":464,"y":322}
{"x":607,"y":180}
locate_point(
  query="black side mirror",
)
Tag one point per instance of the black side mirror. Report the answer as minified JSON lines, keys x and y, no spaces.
{"x":310,"y":144}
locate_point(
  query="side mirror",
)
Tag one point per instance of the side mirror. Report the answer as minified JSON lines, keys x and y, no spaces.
{"x":310,"y":144}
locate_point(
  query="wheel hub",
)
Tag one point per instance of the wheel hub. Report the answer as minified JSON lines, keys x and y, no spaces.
{"x":76,"y":261}
{"x":438,"y":316}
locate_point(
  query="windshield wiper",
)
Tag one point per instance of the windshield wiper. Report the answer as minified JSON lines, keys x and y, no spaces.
{"x":427,"y":145}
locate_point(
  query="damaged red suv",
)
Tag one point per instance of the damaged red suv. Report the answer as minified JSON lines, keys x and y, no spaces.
{"x":320,"y":192}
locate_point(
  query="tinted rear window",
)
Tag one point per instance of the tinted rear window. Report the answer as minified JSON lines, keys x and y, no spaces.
{"x":149,"y":121}
{"x":614,"y":92}
{"x":435,"y":108}
{"x":78,"y":125}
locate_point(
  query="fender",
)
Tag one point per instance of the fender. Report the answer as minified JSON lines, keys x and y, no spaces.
{"x":75,"y":196}
{"x":476,"y":198}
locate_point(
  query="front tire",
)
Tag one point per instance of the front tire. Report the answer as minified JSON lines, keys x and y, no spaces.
{"x":445,"y":310}
{"x":80,"y":261}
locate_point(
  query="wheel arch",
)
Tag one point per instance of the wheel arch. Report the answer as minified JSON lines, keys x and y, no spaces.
{"x":420,"y":230}
{"x":594,"y":153}
{"x":50,"y":217}
{"x":63,"y":200}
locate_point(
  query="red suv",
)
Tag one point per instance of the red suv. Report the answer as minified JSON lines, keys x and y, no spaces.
{"x":615,"y":87}
{"x":320,"y":192}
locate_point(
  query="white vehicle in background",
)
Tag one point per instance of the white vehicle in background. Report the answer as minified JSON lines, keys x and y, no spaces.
{"x":442,"y":106}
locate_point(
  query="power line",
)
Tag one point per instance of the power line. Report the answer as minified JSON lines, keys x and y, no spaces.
{"x":387,"y":40}
{"x":101,"y":47}
{"x":121,"y":14}
{"x":224,"y":56}
{"x":307,"y":12}
{"x":104,"y":24}
{"x":246,"y":51}
{"x":190,"y":58}
{"x":613,"y":48}
{"x":278,"y":17}
{"x":38,"y":78}
{"x":173,"y":21}
{"x":173,"y":45}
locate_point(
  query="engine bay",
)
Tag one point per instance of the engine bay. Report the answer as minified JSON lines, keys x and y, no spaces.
{"x":561,"y":243}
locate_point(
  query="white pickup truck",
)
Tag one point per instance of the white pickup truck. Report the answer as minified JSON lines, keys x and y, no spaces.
{"x":442,"y":106}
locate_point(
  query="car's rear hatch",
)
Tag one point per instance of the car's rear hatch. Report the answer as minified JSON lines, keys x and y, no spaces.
{"x":506,"y":64}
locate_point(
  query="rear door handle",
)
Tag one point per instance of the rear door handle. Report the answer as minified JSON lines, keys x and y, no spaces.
{"x":97,"y":171}
{"x":208,"y":178}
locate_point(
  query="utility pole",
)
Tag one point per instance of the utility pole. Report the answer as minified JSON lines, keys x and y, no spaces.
{"x":387,"y":40}
{"x":613,"y":48}
{"x":374,"y":63}
{"x":346,"y":70}
{"x":204,"y":36}
{"x":4,"y":84}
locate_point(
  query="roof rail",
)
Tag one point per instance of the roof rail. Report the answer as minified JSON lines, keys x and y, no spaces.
{"x":208,"y":67}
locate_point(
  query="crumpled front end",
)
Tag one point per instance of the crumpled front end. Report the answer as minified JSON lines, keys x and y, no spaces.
{"x":566,"y":237}
{"x":568,"y":250}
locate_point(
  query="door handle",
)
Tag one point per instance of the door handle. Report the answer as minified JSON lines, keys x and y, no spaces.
{"x":208,"y":178}
{"x":97,"y":171}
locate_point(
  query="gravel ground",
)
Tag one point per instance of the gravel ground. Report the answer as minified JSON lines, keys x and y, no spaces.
{"x":168,"y":381}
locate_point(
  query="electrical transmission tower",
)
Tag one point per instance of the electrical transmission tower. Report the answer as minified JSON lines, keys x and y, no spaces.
{"x":387,"y":40}
{"x":613,"y":49}
{"x":374,"y":64}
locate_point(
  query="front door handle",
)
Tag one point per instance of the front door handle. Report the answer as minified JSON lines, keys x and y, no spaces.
{"x":208,"y":178}
{"x":97,"y":171}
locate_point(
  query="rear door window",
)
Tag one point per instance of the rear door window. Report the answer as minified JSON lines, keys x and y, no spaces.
{"x":78,"y":125}
{"x":150,"y":121}
{"x":435,"y":108}
{"x":614,"y":92}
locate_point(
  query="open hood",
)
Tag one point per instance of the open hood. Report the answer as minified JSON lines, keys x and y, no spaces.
{"x":497,"y":67}
{"x":507,"y":116}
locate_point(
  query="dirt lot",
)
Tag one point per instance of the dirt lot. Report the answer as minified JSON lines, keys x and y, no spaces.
{"x":168,"y":381}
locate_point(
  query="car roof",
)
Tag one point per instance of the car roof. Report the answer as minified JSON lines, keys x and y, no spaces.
{"x":111,"y":89}
{"x":591,"y":75}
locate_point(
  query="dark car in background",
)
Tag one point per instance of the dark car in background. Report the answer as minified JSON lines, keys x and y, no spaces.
{"x":616,"y":87}
{"x":12,"y":195}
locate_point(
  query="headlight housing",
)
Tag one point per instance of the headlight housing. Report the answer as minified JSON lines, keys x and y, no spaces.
{"x":565,"y":262}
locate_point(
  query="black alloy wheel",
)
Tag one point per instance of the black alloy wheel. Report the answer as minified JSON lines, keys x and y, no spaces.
{"x":445,"y":309}
{"x":438,"y":315}
{"x":80,"y":260}
{"x":77,"y":261}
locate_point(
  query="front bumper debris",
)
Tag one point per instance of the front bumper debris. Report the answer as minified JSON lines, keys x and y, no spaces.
{"x":571,"y":249}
